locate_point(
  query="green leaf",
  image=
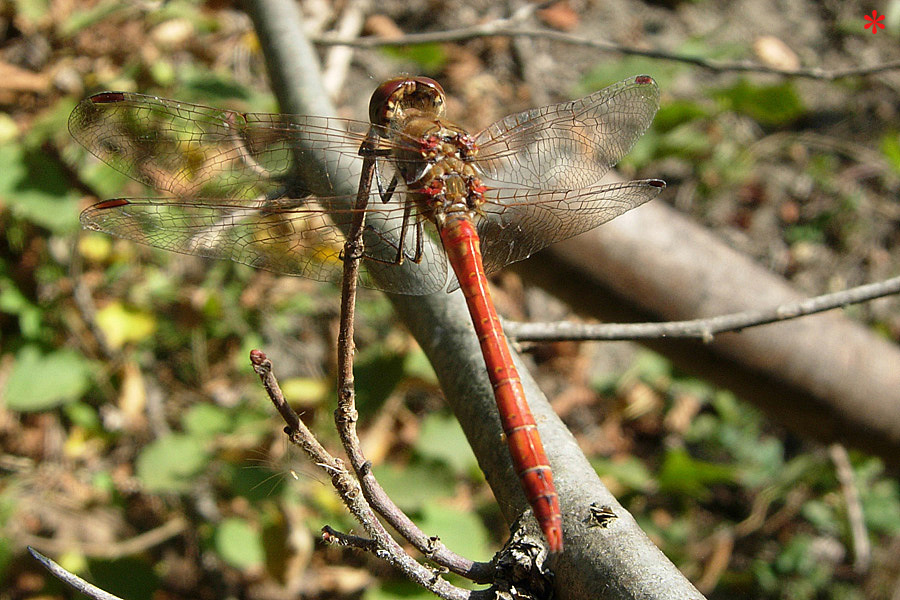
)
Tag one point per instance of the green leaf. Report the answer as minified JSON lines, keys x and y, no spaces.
{"x":396,"y":590}
{"x":31,"y":11}
{"x":377,"y":374}
{"x":171,"y":462}
{"x":461,"y":531}
{"x":84,"y":18}
{"x":36,"y":189}
{"x":417,"y":365}
{"x":629,"y":472}
{"x":682,"y":474}
{"x":13,"y":301}
{"x":411,"y":487}
{"x":890,"y":147}
{"x":429,"y":57}
{"x":131,"y":578}
{"x":881,"y":505}
{"x":239,"y":544}
{"x":122,"y":325}
{"x":770,"y":105}
{"x":41,"y":382}
{"x":206,"y":420}
{"x":679,"y":112}
{"x":441,"y":438}
{"x":84,"y":415}
{"x":306,"y":392}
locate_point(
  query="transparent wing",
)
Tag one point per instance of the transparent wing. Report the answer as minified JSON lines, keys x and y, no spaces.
{"x":192,"y":150}
{"x":515,"y":223}
{"x":570,"y":145}
{"x":290,"y":236}
{"x":235,"y":192}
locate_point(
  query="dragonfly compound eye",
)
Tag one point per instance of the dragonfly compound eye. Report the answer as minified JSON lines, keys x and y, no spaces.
{"x":396,"y":95}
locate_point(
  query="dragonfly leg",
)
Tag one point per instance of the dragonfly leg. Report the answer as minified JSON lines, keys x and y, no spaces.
{"x":420,"y":236}
{"x":397,"y":249}
{"x":404,"y":226}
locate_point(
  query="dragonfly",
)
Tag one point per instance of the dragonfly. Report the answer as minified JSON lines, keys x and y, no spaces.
{"x":442,"y":208}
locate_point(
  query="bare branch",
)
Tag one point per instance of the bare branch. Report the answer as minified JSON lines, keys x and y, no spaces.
{"x":511,"y":28}
{"x":351,"y":494}
{"x":615,"y":562}
{"x":345,"y":416}
{"x":74,"y":581}
{"x":703,"y":329}
{"x":862,"y":549}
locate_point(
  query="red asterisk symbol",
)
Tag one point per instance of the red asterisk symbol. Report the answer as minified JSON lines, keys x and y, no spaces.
{"x":875,"y":21}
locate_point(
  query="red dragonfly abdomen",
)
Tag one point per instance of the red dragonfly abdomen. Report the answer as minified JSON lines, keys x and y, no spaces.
{"x":461,"y":243}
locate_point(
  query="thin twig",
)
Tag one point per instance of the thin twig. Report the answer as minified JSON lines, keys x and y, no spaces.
{"x":333,"y":536}
{"x":510,"y":28}
{"x":703,"y":329}
{"x":862,"y":549}
{"x":74,"y":581}
{"x":345,"y":416}
{"x":351,"y":494}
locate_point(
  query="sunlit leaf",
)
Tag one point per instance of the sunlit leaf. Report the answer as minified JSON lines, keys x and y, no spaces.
{"x":397,"y":590}
{"x":441,"y":438}
{"x":629,"y":473}
{"x":206,"y":419}
{"x":461,"y":531}
{"x":31,"y":11}
{"x":44,"y":381}
{"x":122,"y":325}
{"x":306,"y":391}
{"x":171,"y":462}
{"x":412,"y":486}
{"x":429,"y":57}
{"x":239,"y":544}
{"x":682,"y":474}
{"x":95,"y":247}
{"x":890,"y":147}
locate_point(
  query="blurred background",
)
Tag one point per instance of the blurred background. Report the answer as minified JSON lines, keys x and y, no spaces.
{"x":139,"y":450}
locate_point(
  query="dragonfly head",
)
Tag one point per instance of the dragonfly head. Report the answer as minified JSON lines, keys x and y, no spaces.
{"x":400,"y":94}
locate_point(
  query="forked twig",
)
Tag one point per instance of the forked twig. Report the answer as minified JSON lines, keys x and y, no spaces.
{"x":345,"y":416}
{"x":703,"y":329}
{"x":348,"y":488}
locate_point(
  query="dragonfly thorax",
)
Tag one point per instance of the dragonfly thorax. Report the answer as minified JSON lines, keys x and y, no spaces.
{"x":439,"y":168}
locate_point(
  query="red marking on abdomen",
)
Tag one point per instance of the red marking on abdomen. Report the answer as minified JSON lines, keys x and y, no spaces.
{"x":463,"y":249}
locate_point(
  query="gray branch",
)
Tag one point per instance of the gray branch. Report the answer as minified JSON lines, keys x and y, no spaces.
{"x":616,"y":561}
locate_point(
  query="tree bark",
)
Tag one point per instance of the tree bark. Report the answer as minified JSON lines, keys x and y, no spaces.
{"x":823,"y":376}
{"x":613,"y":561}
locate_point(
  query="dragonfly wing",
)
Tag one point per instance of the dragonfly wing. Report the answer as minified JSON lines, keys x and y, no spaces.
{"x":572,"y":144}
{"x":285,"y":235}
{"x":423,"y":268}
{"x":516,"y":223}
{"x":196,"y":151}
